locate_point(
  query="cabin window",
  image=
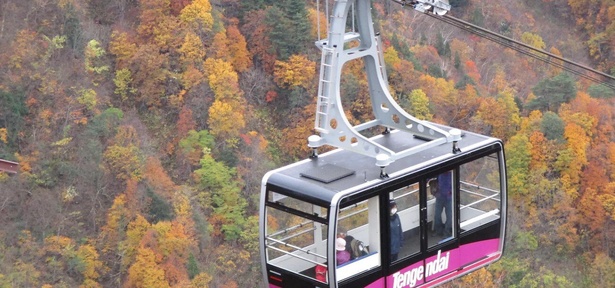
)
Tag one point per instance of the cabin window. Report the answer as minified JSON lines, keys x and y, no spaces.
{"x":480,"y":194}
{"x":440,"y":208}
{"x":405,"y":201}
{"x":357,"y":238}
{"x":296,"y":235}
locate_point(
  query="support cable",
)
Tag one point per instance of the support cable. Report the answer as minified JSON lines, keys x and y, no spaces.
{"x":528,"y":50}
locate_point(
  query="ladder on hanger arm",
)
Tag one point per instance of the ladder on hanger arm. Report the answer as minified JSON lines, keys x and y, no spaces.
{"x":331,"y":122}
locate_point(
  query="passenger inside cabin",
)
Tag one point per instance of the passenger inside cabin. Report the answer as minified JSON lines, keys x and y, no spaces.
{"x":396,"y":232}
{"x":342,"y":255}
{"x":342,"y":234}
{"x":443,"y":194}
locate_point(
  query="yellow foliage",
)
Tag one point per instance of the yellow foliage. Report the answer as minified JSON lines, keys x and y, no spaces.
{"x":223,"y":80}
{"x":122,"y":47}
{"x":3,"y":135}
{"x":391,"y":57}
{"x":314,"y":16}
{"x":59,"y":244}
{"x":225,"y":120}
{"x":69,"y":194}
{"x":134,"y":233}
{"x":88,"y":98}
{"x":298,"y":71}
{"x":419,"y":105}
{"x":91,"y":264}
{"x":201,"y":280}
{"x":89,"y":283}
{"x":115,"y":215}
{"x":172,"y":239}
{"x":62,"y":142}
{"x":478,"y":278}
{"x":123,"y":161}
{"x":123,"y":83}
{"x":192,"y":50}
{"x":533,"y":40}
{"x":198,"y":13}
{"x":145,"y":272}
{"x":93,"y":55}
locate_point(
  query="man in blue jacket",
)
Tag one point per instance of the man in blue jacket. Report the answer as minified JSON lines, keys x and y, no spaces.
{"x":396,"y":232}
{"x":444,"y":202}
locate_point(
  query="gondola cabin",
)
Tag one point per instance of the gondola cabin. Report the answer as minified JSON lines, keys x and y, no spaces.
{"x":437,"y":216}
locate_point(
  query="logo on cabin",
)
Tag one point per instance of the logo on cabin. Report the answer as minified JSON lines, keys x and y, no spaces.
{"x":410,"y":278}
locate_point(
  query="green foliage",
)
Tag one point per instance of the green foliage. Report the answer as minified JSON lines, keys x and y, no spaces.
{"x":159,"y":209}
{"x":104,"y":124}
{"x":219,"y":190}
{"x":290,"y":27}
{"x":21,"y":275}
{"x":552,"y":126}
{"x":457,"y":60}
{"x":544,"y":278}
{"x":256,"y":4}
{"x":12,"y":113}
{"x":600,"y":91}
{"x":403,"y":49}
{"x":459,"y":3}
{"x":196,"y":141}
{"x":464,"y":81}
{"x":551,"y":93}
{"x":525,"y":241}
{"x":435,"y":71}
{"x":192,"y":266}
{"x":512,"y":269}
{"x":444,"y":48}
{"x":477,"y":17}
{"x":72,"y":28}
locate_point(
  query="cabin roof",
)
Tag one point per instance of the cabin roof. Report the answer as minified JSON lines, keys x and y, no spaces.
{"x":319,"y":180}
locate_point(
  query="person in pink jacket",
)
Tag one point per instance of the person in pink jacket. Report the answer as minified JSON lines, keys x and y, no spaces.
{"x":342,"y":254}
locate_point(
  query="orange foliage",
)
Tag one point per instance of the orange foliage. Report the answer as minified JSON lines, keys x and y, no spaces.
{"x":237,"y":49}
{"x":149,"y":74}
{"x":175,"y":271}
{"x":158,"y":179}
{"x":538,"y":151}
{"x":472,"y":71}
{"x":219,"y":47}
{"x":259,"y":42}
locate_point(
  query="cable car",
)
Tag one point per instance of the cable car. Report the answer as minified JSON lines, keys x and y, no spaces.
{"x":307,"y":205}
{"x":418,"y":205}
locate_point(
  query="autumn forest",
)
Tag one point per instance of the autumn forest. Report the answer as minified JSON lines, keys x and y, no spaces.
{"x":142,"y":129}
